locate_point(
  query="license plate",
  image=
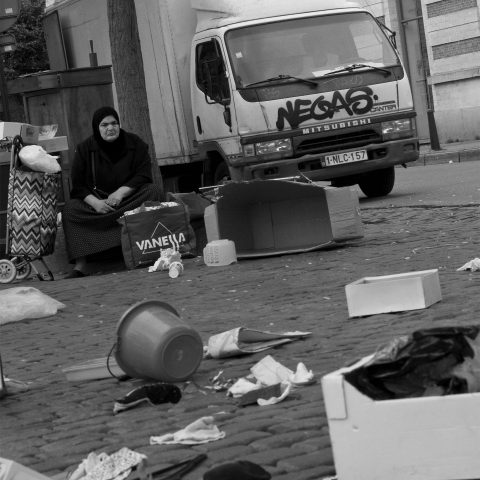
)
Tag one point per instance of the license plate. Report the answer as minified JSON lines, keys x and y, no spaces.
{"x":345,"y":157}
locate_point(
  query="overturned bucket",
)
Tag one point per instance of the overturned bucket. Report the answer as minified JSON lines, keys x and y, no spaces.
{"x":153,"y":342}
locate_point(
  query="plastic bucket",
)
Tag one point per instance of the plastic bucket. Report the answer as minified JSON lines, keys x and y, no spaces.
{"x":153,"y":342}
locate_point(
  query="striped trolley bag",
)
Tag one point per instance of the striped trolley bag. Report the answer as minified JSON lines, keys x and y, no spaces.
{"x":31,"y":210}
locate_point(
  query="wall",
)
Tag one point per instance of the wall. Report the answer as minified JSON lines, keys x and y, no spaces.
{"x":453,"y":44}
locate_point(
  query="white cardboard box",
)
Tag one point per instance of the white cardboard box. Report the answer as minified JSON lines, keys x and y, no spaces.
{"x":10,"y":470}
{"x":29,"y":133}
{"x":393,"y":293}
{"x":272,"y":217}
{"x":426,"y":438}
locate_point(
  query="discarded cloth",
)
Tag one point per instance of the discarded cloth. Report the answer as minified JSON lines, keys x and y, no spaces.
{"x":22,"y":303}
{"x":269,"y":372}
{"x":108,"y":467}
{"x":472,"y":265}
{"x":243,"y":340}
{"x":239,"y":470}
{"x":200,"y":431}
{"x":437,"y":361}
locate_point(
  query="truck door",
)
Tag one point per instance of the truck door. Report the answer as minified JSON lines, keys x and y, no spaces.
{"x":211,"y":93}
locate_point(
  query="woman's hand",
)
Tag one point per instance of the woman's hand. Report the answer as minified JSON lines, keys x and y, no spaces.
{"x":114,"y":199}
{"x":101,"y":206}
{"x":117,"y":197}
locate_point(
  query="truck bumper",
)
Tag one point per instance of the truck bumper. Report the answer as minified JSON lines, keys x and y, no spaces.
{"x":379,"y":156}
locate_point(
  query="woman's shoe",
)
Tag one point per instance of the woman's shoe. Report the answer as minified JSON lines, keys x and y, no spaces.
{"x":75,"y":274}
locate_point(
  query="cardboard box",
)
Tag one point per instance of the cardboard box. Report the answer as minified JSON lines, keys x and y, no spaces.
{"x":29,"y":133}
{"x":10,"y":129}
{"x":10,"y":470}
{"x":55,"y":144}
{"x":393,"y":293}
{"x":425,"y":438}
{"x":272,"y":217}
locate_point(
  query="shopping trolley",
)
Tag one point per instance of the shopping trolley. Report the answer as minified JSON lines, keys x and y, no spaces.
{"x":31,"y":219}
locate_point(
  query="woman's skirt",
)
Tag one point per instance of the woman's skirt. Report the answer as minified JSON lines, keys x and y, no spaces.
{"x":88,"y":232}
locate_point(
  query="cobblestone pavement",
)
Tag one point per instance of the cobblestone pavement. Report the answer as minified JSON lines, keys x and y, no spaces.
{"x":56,"y":423}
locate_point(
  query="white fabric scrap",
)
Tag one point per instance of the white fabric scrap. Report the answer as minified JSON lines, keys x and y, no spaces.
{"x":107,"y":467}
{"x":472,"y":265}
{"x":241,"y":387}
{"x":302,"y":376}
{"x":200,"y":431}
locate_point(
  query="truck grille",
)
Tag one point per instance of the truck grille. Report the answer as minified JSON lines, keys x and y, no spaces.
{"x":318,"y":144}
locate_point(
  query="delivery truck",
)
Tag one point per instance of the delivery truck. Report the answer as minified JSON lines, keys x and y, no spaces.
{"x":269,"y":89}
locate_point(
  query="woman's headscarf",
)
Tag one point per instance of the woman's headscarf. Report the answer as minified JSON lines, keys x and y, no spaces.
{"x":112,"y":149}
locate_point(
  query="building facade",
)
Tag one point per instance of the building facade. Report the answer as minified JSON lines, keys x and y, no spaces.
{"x":439,"y":41}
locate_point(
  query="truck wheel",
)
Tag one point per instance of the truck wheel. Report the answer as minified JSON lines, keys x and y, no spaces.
{"x":221,"y":174}
{"x":378,"y":183}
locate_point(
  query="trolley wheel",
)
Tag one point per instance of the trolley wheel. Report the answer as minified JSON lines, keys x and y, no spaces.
{"x":23,"y":266}
{"x":8,"y":271}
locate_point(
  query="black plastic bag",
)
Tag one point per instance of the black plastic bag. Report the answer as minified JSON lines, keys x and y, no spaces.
{"x":424,"y":363}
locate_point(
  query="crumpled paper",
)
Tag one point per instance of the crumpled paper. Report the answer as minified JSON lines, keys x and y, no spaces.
{"x":268,"y":372}
{"x":472,"y":265}
{"x":241,"y":341}
{"x":108,"y":467}
{"x":200,"y":431}
{"x":21,"y":303}
{"x":168,"y":257}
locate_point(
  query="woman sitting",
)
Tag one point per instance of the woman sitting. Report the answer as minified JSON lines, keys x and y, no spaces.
{"x":111,"y":173}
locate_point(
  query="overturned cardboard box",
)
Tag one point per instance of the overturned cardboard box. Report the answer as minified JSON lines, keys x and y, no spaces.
{"x":424,"y":438}
{"x":272,"y":217}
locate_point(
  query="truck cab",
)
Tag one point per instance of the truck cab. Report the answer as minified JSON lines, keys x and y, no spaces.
{"x":311,"y":89}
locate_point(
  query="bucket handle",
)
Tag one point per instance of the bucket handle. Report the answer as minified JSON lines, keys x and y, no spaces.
{"x":123,"y":377}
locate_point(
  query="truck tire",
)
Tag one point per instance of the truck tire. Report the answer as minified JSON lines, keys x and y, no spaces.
{"x":378,"y":183}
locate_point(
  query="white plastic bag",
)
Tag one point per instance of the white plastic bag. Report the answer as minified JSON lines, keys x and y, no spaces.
{"x":22,"y":303}
{"x":36,"y":158}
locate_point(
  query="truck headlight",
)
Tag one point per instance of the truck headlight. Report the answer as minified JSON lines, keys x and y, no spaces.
{"x":396,"y":129}
{"x":279,"y":148}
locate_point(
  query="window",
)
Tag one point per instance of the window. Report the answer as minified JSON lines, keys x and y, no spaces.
{"x":211,"y":73}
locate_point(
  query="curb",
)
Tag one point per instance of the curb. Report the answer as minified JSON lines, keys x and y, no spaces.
{"x":435,"y":158}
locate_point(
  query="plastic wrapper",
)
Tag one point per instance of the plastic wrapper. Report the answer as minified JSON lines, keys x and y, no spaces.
{"x":20,"y":303}
{"x":36,"y":158}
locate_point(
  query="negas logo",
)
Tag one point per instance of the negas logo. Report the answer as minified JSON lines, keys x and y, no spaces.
{"x":357,"y":101}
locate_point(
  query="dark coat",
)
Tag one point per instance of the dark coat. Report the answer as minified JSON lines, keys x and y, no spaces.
{"x":132,"y":169}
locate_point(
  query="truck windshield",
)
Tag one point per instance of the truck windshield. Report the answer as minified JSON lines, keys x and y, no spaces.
{"x":308,"y":47}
